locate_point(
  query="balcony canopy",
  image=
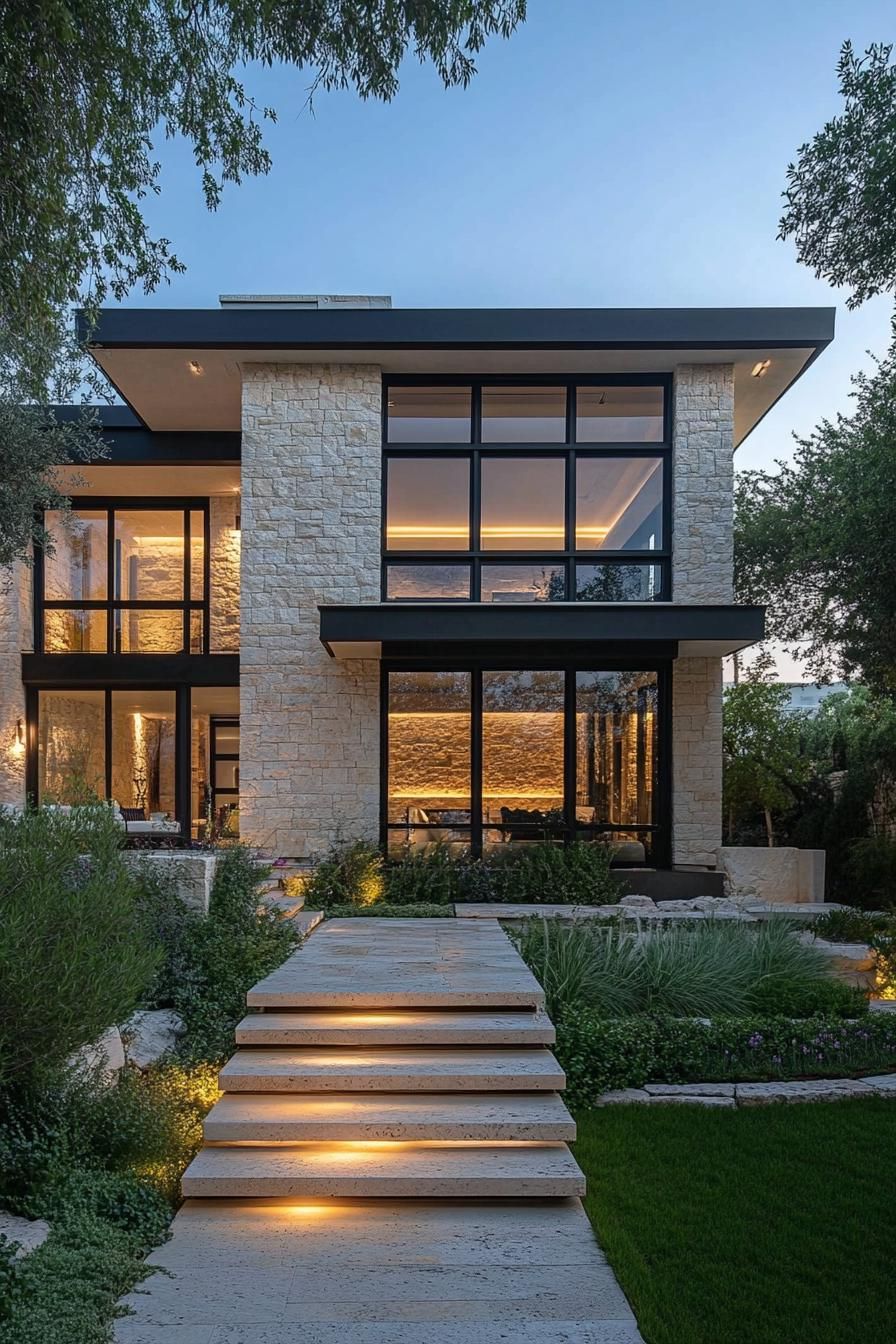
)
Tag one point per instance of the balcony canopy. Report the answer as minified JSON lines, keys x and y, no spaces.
{"x":652,"y":629}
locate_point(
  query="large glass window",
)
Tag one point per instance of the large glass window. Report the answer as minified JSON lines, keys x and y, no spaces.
{"x":522,"y":755}
{"x":523,"y":504}
{"x":428,"y":414}
{"x":144,"y":743}
{"x":429,"y":759}
{"x":428,"y":504}
{"x":548,"y":509}
{"x":616,"y":749}
{"x":215,"y":761}
{"x":71,"y":746}
{"x":128,"y":579}
{"x":494,"y":757}
{"x":619,"y":503}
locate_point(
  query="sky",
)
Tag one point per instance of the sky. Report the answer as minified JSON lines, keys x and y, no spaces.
{"x":605,"y":156}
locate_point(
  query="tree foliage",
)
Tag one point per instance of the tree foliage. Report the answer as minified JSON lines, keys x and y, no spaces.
{"x":88,"y":90}
{"x":841,"y":191}
{"x":813,"y":539}
{"x":764,"y":765}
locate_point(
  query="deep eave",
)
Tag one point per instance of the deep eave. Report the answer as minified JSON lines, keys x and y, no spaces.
{"x":152,"y":355}
{"x":375,"y":630}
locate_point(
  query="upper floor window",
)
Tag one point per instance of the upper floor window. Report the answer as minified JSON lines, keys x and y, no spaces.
{"x":554,"y":473}
{"x":125,"y":578}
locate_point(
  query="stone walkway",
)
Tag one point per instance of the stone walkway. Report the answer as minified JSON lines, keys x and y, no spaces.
{"x":388,"y":1163}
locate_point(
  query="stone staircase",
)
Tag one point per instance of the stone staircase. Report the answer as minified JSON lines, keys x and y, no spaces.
{"x":392,"y":1059}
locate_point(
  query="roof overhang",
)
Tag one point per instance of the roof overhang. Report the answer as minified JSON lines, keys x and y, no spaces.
{"x":152,"y":355}
{"x":670,"y":629}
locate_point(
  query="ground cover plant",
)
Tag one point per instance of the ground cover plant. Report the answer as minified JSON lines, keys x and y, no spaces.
{"x":699,"y":969}
{"x":387,"y":910}
{"x":600,"y":1054}
{"x":761,"y":1225}
{"x":538,"y":873}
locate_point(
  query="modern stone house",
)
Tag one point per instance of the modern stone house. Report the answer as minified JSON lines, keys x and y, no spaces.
{"x":458,"y":577}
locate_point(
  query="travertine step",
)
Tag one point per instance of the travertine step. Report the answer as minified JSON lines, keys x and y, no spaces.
{"x":385,"y":1069}
{"x":385,"y":1170}
{"x":412,"y":1026}
{"x":339,"y":1116}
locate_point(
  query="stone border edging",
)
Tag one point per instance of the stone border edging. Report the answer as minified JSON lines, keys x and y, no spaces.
{"x":734,"y":1095}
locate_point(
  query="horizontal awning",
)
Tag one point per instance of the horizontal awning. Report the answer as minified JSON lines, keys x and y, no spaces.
{"x":421,"y":629}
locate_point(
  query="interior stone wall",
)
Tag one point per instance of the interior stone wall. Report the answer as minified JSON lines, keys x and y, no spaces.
{"x":71,"y":746}
{"x":224,"y":571}
{"x":309,"y":724}
{"x":15,"y":639}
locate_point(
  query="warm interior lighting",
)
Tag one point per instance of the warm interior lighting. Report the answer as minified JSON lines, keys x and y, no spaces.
{"x":760,"y":369}
{"x":195,"y":368}
{"x":18,"y":745}
{"x":536,"y":532}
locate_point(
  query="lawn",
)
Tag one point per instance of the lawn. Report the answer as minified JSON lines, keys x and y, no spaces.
{"x":759,"y":1226}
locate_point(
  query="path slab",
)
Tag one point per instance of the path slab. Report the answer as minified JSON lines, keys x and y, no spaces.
{"x":375,"y":963}
{"x":386,"y":1171}
{"x":279,"y":1117}
{"x":386,"y":1069}
{"x":410,"y":1026}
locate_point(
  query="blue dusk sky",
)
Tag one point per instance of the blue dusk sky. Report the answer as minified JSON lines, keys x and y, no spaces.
{"x":607,"y":155}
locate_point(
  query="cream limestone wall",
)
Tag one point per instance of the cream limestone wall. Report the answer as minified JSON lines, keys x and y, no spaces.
{"x":702,"y":573}
{"x":309,"y":725}
{"x":15,"y":639}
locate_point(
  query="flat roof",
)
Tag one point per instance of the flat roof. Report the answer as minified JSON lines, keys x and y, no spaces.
{"x":179,"y":368}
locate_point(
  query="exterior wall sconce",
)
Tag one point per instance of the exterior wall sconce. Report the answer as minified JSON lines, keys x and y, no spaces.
{"x":759,"y":370}
{"x":19,"y":741}
{"x":195,"y":368}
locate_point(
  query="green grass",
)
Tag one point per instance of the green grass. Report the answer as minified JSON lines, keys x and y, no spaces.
{"x":760,"y":1226}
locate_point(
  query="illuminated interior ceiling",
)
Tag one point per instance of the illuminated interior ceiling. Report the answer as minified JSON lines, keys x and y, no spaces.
{"x":139,"y":481}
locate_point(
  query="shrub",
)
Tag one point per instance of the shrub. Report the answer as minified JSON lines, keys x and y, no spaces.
{"x":75,"y":952}
{"x":703,"y":969}
{"x":852,"y":925}
{"x":872,"y":871}
{"x":577,"y":874}
{"x":347,"y":875}
{"x":172,"y":925}
{"x":224,"y":954}
{"x":424,"y":877}
{"x":600,"y":1054}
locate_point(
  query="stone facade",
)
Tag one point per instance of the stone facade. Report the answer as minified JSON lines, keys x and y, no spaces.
{"x":309,"y":725}
{"x":15,"y":638}
{"x":702,"y":573}
{"x":703,"y":484}
{"x":696,"y":761}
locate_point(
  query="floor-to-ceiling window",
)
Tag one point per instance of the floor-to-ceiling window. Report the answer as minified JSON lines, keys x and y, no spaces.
{"x":510,"y":492}
{"x":477,"y":758}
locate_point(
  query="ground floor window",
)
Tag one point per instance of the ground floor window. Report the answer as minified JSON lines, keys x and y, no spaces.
{"x":167,"y":757}
{"x":477,"y":758}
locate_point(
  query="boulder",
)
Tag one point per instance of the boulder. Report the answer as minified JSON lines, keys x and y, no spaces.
{"x":773,"y":875}
{"x":30,"y":1233}
{"x":150,"y":1035}
{"x":637,"y":903}
{"x":105,"y":1055}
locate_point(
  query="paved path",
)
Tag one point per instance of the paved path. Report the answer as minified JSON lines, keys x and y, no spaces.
{"x":371,"y":1175}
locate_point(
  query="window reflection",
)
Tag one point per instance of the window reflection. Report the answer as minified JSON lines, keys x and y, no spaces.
{"x":611,"y":582}
{"x":78,"y":567}
{"x":619,"y":414}
{"x":523,"y":583}
{"x":523,"y":504}
{"x":616,"y":760}
{"x":432,"y":583}
{"x":428,"y":414}
{"x":71,"y":746}
{"x":619,"y":503}
{"x":523,"y":414}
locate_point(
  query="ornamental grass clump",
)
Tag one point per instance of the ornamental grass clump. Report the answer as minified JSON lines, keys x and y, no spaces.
{"x":702,"y":970}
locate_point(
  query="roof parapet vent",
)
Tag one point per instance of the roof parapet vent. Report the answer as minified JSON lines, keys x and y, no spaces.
{"x":309,"y":301}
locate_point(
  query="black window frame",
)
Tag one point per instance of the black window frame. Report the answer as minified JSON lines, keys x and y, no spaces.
{"x":569,"y":556}
{"x":570,"y":830}
{"x":110,"y":505}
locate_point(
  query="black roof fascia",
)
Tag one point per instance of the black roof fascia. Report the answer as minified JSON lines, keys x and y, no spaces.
{"x":461,"y":328}
{"x":475,"y":622}
{"x":130,"y":669}
{"x":130,"y":441}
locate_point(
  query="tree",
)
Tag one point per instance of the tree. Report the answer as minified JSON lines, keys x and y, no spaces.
{"x":764,"y":766}
{"x":842,"y":190}
{"x":813,"y":539}
{"x":86,"y":92}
